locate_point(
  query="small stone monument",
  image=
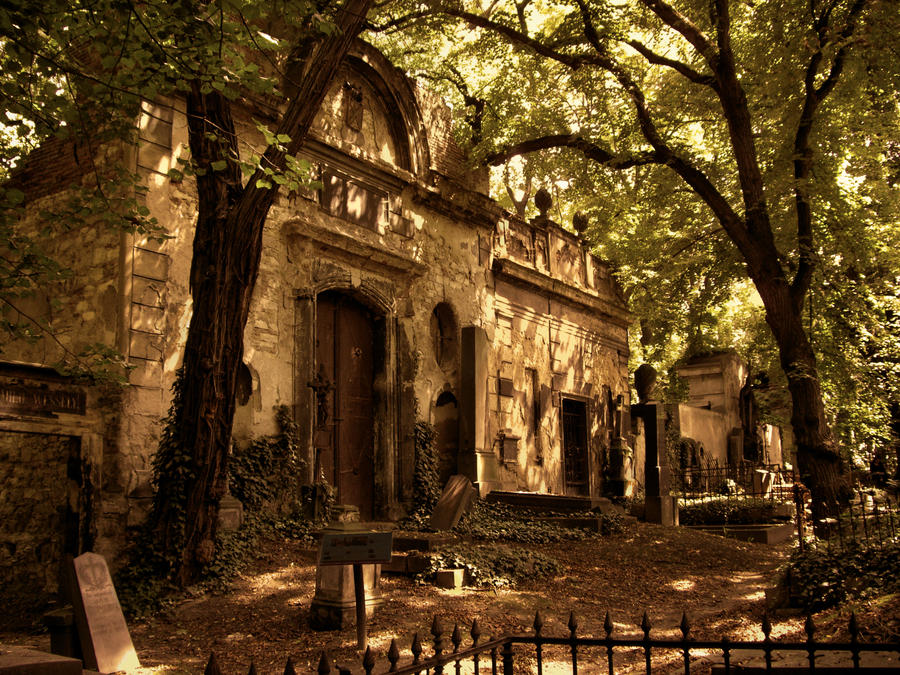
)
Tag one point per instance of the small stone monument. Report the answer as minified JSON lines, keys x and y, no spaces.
{"x":105,"y":642}
{"x":334,"y":605}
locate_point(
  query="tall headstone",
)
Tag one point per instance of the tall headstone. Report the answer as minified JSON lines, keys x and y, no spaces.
{"x":660,"y":506}
{"x":105,"y":642}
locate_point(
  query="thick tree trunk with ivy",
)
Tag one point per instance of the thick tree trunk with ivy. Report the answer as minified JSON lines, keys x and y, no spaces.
{"x":193,"y":458}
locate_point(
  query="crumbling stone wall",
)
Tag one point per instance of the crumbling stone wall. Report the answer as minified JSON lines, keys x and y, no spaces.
{"x":35,"y":520}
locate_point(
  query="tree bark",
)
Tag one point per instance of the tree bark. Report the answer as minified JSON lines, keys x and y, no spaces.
{"x":820,"y":463}
{"x":224,"y":269}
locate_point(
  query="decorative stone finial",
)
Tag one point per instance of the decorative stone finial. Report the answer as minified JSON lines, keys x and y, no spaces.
{"x":580,"y":222}
{"x":645,"y":382}
{"x":543,"y":201}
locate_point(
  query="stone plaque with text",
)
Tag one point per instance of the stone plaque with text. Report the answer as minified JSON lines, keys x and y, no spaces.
{"x":105,"y":641}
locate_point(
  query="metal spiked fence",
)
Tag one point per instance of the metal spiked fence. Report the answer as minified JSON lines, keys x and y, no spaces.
{"x":608,"y":653}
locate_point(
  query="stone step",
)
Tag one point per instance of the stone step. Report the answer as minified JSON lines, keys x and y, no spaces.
{"x":406,"y":564}
{"x":547,"y":502}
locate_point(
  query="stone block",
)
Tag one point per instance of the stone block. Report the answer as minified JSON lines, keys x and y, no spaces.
{"x":15,"y":660}
{"x":662,"y":510}
{"x":145,"y":346}
{"x":151,"y":264}
{"x":334,"y":605}
{"x":231,"y":513}
{"x":453,"y":578}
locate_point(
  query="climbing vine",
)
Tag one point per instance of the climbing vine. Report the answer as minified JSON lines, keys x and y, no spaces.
{"x":267,"y":477}
{"x":426,"y":476}
{"x":269,"y":471}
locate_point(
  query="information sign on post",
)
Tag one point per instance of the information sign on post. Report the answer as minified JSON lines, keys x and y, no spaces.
{"x":357,"y":548}
{"x":349,"y":548}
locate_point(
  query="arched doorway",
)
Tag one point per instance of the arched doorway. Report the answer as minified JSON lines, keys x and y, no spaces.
{"x":446,"y":428}
{"x":346,"y":336}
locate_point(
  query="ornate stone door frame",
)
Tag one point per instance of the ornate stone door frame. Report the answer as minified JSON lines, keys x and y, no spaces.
{"x":379,"y":297}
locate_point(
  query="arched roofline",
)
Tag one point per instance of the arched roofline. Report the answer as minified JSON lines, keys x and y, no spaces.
{"x":397,"y":91}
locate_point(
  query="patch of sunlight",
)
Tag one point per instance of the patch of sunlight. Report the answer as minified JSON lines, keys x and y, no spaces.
{"x":159,"y":670}
{"x":463,"y":592}
{"x":382,"y":643}
{"x":756,"y":595}
{"x":683,"y":585}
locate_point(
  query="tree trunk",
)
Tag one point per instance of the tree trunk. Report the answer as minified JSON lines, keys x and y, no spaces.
{"x":224,"y":268}
{"x":820,"y":462}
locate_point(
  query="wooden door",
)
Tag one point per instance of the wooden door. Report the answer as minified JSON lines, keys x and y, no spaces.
{"x":345,"y":346}
{"x":575,"y":450}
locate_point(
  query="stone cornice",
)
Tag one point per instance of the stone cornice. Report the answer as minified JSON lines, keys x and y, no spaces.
{"x":364,"y":254}
{"x":516,"y":273}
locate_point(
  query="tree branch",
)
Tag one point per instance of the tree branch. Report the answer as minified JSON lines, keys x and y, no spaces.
{"x":674,"y":19}
{"x":574,"y":61}
{"x":803,"y":155}
{"x":678,"y":66}
{"x":587,"y":148}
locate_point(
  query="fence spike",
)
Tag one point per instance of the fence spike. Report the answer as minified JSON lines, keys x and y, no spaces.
{"x":289,"y":667}
{"x":393,"y":655}
{"x":475,"y":632}
{"x":573,"y":624}
{"x":324,"y":667}
{"x":252,"y":670}
{"x":766,"y":626}
{"x":212,"y":666}
{"x":416,"y":647}
{"x":368,"y":661}
{"x":608,"y":624}
{"x":538,"y":623}
{"x":853,"y":627}
{"x":685,"y":625}
{"x":437,"y":630}
{"x":809,"y":627}
{"x":645,"y":625}
{"x":456,"y":637}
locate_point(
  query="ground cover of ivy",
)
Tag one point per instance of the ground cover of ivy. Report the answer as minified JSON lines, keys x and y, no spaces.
{"x":827,"y":576}
{"x":492,"y":565}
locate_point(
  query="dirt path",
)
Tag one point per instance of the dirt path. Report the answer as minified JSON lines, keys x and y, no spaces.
{"x":718,"y":582}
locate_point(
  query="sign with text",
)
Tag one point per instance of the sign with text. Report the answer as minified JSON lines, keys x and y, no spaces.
{"x":29,"y":399}
{"x":348,"y":548}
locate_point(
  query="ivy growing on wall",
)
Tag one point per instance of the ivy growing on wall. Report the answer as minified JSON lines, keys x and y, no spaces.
{"x":266,"y":475}
{"x":426,"y":477}
{"x":269,"y":471}
{"x":426,"y":482}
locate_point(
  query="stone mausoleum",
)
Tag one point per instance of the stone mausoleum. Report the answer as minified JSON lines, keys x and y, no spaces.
{"x":399,"y":291}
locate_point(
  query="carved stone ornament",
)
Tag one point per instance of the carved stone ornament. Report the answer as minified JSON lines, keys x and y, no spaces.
{"x":543,"y":201}
{"x":322,"y":386}
{"x":580,"y":222}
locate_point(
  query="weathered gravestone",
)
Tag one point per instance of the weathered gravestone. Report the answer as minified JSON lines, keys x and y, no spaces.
{"x":105,"y":642}
{"x":458,"y":495}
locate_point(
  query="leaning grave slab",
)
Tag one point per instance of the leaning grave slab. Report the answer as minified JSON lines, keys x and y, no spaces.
{"x":105,"y":641}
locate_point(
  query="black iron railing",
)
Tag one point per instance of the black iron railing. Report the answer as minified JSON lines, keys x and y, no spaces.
{"x":870,"y":520}
{"x":609,"y":653}
{"x":745,"y":479}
